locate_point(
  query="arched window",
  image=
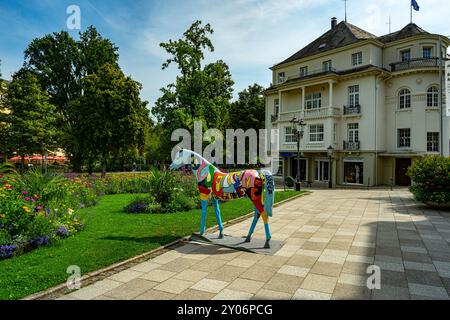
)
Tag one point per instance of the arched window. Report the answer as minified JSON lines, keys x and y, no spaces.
{"x":432,"y":96}
{"x":404,"y":99}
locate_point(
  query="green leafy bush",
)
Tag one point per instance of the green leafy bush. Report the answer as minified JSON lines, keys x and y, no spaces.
{"x":169,"y":192}
{"x":431,"y":179}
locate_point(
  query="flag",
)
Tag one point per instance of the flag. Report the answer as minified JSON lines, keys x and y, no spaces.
{"x":415,"y":5}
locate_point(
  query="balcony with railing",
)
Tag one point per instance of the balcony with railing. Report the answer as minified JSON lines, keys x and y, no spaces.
{"x":352,"y":110}
{"x":316,"y":113}
{"x":352,"y":146}
{"x":311,"y":74}
{"x":417,"y":63}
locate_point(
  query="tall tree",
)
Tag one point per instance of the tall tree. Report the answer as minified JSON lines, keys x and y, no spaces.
{"x":4,"y":128}
{"x":32,"y":118}
{"x":248,"y":112}
{"x":198,"y":93}
{"x":61,"y":62}
{"x":115,"y":120}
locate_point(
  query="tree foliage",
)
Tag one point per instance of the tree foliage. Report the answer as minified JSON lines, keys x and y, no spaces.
{"x":61,"y":63}
{"x":248,"y":112}
{"x":114,"y":117}
{"x":199,"y":93}
{"x":88,"y":88}
{"x":32,"y":118}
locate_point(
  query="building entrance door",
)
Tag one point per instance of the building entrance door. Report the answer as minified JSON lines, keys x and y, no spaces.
{"x":401,"y":167}
{"x":302,"y":168}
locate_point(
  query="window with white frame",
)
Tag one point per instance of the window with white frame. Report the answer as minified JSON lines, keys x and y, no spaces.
{"x":277,"y":107}
{"x":313,"y":101}
{"x":281,"y":77}
{"x":322,"y":170}
{"x":427,"y":52}
{"x":404,"y":99}
{"x":404,"y":138}
{"x":316,"y":133}
{"x":405,"y":55}
{"x":433,"y":97}
{"x":356,"y":59}
{"x":353,"y":96}
{"x":353,"y":132}
{"x":289,"y":135}
{"x":433,"y":141}
{"x":303,"y":71}
{"x":327,"y":65}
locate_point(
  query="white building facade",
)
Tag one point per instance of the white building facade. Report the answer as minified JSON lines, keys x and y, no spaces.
{"x":374,"y":100}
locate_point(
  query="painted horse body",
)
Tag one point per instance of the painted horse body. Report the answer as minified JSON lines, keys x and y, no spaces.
{"x":215,"y":185}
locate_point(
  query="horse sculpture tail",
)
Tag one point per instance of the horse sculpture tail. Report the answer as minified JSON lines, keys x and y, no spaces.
{"x":269,"y":192}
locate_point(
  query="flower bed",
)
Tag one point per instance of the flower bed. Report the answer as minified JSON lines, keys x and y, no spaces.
{"x":37,"y":209}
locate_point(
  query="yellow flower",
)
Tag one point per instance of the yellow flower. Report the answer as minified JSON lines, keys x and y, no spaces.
{"x":70,"y":211}
{"x":26,"y":209}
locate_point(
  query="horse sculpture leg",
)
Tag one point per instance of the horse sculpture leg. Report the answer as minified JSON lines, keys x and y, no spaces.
{"x":253,"y":226}
{"x":203,"y":220}
{"x":265,"y":217}
{"x":218,"y":217}
{"x":263,"y":213}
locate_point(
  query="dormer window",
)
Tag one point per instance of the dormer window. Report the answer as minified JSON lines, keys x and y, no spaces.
{"x":303,"y":71}
{"x":357,"y":59}
{"x":327,"y":65}
{"x":323,"y":45}
{"x":281,"y":77}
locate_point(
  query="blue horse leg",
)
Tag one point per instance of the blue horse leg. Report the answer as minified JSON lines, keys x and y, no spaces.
{"x":218,"y":216}
{"x":253,"y":226}
{"x":265,"y":217}
{"x":203,"y":220}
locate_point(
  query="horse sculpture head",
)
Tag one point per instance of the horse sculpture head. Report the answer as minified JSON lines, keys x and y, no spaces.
{"x":181,"y":159}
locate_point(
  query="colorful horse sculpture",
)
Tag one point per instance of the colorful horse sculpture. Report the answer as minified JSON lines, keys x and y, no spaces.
{"x":216,"y":185}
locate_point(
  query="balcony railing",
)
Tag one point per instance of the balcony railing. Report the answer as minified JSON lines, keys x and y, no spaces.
{"x":352,"y":146}
{"x":352,"y":110}
{"x":415,"y":64}
{"x":324,"y":112}
{"x":320,"y":113}
{"x":314,"y":73}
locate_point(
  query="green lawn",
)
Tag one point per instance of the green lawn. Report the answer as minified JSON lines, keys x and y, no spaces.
{"x":110,"y":236}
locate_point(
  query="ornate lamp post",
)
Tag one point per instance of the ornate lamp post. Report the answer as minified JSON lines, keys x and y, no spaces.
{"x":330,"y":156}
{"x":298,"y":129}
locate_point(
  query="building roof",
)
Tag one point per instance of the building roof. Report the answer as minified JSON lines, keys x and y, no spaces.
{"x":341,"y":35}
{"x":344,"y":34}
{"x":409,"y":30}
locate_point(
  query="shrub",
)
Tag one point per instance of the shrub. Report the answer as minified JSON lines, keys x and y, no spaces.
{"x":431,"y":179}
{"x":138,"y":205}
{"x":170,"y":192}
{"x":36,"y":209}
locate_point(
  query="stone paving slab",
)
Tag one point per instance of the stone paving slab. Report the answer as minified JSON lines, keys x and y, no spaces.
{"x":329,"y":237}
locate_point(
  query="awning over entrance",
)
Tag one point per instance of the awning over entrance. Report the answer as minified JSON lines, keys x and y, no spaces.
{"x":403,"y":155}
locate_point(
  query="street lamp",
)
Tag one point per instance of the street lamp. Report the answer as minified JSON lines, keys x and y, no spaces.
{"x":330,"y":156}
{"x":297,"y":128}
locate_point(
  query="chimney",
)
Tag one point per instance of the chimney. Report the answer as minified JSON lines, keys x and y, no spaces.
{"x":333,"y":22}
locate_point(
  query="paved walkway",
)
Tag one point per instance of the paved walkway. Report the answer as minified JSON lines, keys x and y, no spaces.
{"x":332,"y":237}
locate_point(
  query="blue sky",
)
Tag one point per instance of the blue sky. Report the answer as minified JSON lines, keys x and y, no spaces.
{"x":250,"y":35}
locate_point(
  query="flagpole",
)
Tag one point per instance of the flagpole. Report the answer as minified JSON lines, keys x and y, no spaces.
{"x":410,"y":8}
